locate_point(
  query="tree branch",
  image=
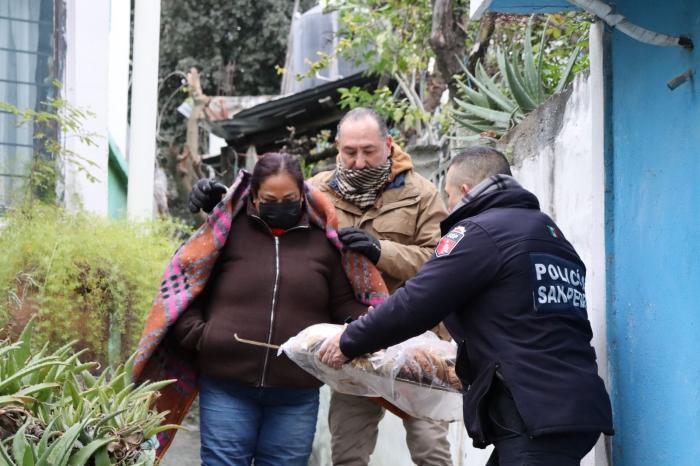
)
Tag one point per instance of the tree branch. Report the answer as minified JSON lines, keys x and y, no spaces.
{"x":481,"y":45}
{"x":447,"y":40}
{"x":199,"y":103}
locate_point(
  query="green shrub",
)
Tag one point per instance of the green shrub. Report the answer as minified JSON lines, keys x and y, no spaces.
{"x":86,"y":278}
{"x":55,"y":412}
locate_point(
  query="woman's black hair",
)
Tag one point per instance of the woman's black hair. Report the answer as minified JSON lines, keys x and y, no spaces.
{"x":274,"y":163}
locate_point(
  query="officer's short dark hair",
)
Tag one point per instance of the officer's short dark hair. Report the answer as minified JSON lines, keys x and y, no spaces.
{"x":475,"y":164}
{"x":360,"y":113}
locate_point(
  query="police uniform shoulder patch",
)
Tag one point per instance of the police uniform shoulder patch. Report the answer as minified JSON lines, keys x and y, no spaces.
{"x":449,"y":241}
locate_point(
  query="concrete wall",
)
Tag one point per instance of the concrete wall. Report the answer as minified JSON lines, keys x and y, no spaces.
{"x":558,"y":154}
{"x":118,"y":79}
{"x":85,"y":86}
{"x":654,"y":244}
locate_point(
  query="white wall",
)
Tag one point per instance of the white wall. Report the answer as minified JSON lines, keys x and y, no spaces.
{"x":85,"y":86}
{"x":567,"y":174}
{"x":118,"y":91}
{"x":144,"y":110}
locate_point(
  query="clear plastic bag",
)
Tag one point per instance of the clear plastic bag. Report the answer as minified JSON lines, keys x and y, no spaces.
{"x":417,"y":376}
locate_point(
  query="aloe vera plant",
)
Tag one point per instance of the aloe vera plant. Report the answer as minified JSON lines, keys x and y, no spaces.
{"x":494,"y":104}
{"x":54,"y":411}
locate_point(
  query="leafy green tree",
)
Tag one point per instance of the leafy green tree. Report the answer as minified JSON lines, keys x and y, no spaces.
{"x":427,"y":46}
{"x":236,"y":45}
{"x":412,"y":42}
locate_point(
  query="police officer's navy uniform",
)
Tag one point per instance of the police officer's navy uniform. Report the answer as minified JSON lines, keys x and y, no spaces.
{"x":510,"y":289}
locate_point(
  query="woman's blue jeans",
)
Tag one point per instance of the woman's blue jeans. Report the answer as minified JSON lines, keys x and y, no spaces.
{"x":274,"y":426}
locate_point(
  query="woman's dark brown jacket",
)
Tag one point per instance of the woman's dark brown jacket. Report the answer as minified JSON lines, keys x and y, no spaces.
{"x":265,"y":288}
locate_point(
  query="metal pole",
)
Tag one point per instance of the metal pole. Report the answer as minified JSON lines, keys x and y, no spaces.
{"x":144,"y":109}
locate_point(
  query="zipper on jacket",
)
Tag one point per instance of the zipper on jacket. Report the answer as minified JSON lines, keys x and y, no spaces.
{"x":272,"y":309}
{"x":274,"y":292}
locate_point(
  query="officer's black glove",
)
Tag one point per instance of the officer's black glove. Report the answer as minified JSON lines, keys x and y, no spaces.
{"x":362,"y":242}
{"x":205,"y":195}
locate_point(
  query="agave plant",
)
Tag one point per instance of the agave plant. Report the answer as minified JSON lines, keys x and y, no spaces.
{"x":494,"y":104}
{"x":54,"y":411}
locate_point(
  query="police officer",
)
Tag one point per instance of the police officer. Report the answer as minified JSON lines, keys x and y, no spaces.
{"x":510,"y":289}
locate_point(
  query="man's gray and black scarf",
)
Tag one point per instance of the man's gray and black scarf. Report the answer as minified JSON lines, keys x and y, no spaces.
{"x":362,"y":187}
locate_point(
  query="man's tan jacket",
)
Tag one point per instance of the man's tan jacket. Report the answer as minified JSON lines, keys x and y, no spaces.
{"x":405,"y":219}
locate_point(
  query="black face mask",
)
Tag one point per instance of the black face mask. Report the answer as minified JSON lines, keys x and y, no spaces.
{"x":282,"y":215}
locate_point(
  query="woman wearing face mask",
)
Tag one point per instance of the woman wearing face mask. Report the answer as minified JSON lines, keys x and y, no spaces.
{"x":276,"y":274}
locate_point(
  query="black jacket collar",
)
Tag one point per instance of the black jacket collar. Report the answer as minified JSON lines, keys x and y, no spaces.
{"x":512,"y":197}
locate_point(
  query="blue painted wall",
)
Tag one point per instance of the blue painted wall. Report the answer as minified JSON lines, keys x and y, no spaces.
{"x":653,"y":234}
{"x":654,"y":241}
{"x":531,"y":6}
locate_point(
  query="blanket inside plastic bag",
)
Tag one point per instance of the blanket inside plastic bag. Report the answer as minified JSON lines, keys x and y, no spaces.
{"x":418,"y":375}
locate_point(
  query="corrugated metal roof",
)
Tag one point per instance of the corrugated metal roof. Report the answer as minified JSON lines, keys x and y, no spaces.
{"x":306,"y":111}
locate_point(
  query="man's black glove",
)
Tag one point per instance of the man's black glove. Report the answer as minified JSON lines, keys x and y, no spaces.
{"x":362,"y":242}
{"x":205,"y":195}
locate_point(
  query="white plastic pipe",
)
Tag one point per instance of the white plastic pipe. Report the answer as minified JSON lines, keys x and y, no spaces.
{"x":619,"y":22}
{"x":144,"y":111}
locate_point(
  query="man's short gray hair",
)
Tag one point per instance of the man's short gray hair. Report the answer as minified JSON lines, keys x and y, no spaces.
{"x":475,"y":164}
{"x":360,"y":113}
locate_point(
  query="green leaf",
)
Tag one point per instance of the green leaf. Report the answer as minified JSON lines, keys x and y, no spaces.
{"x":472,"y":126}
{"x":540,"y":61}
{"x":515,"y":83}
{"x":38,"y":388}
{"x":21,"y":449}
{"x":154,"y":386}
{"x":102,"y":457}
{"x":85,"y":367}
{"x":82,"y":456}
{"x":52,"y":374}
{"x":74,"y":358}
{"x":162,"y":428}
{"x":496,"y":116}
{"x":59,"y":452}
{"x":25,"y":340}
{"x":476,"y":97}
{"x":15,"y":399}
{"x":567,"y":70}
{"x":12,"y":368}
{"x":88,"y":379}
{"x":5,"y":459}
{"x":108,"y":417}
{"x":491,"y":89}
{"x":116,"y":382}
{"x":531,"y":78}
{"x":43,"y":444}
{"x":70,"y":388}
{"x":7,"y":349}
{"x":129,"y":370}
